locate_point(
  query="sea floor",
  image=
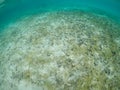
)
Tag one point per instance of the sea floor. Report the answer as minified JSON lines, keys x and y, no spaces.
{"x":60,"y":50}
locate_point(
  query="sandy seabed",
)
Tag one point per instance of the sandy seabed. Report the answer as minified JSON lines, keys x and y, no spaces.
{"x":62,"y":50}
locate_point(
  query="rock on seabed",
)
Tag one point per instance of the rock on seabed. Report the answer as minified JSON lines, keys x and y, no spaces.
{"x":61,"y":50}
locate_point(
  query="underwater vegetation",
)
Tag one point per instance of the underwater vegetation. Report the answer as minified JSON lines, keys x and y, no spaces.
{"x":60,"y":50}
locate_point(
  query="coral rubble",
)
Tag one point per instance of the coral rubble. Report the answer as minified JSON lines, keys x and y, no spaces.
{"x":62,"y":50}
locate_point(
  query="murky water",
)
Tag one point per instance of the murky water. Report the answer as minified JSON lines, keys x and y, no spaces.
{"x":59,"y":45}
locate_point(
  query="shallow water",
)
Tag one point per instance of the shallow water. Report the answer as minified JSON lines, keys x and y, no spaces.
{"x":59,"y":45}
{"x":12,"y":8}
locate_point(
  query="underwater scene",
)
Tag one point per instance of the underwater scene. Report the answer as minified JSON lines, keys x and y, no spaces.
{"x":59,"y":45}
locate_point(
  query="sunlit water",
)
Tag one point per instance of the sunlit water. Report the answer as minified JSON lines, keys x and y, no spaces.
{"x":59,"y":45}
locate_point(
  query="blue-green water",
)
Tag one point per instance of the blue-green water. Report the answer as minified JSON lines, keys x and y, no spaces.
{"x":13,"y":8}
{"x":59,"y":45}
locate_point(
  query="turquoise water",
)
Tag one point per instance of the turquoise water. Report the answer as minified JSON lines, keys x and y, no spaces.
{"x":13,"y":8}
{"x":59,"y":45}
